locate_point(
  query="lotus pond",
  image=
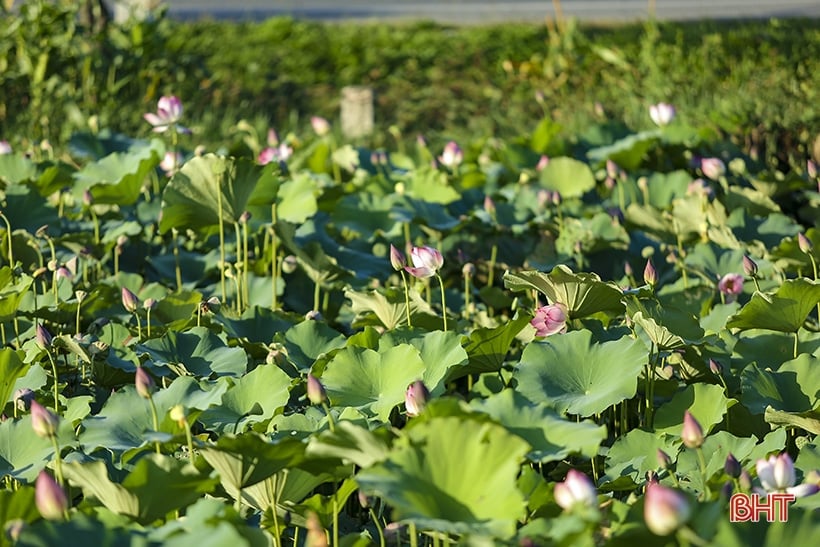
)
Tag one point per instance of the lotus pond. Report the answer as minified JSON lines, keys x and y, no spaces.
{"x":295,"y":341}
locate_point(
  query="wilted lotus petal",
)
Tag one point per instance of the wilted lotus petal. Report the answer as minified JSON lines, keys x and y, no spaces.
{"x":576,"y":489}
{"x":415,"y":398}
{"x":452,"y":156}
{"x":662,"y":113}
{"x":692,"y":432}
{"x":144,"y":383}
{"x":49,"y":498}
{"x":665,"y":509}
{"x":315,"y":390}
{"x":43,"y":421}
{"x":550,"y":320}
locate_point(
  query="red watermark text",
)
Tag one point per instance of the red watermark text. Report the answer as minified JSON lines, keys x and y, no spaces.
{"x":750,"y":507}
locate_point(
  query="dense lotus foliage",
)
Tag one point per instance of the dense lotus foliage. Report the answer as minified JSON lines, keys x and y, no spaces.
{"x":298,"y":341}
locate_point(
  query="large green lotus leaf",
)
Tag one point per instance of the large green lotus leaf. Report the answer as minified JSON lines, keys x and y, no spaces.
{"x":552,"y":437}
{"x":243,"y":460}
{"x":593,"y":234}
{"x":23,"y":454}
{"x":12,"y":292}
{"x":409,"y":210}
{"x":295,"y":198}
{"x":197,"y":351}
{"x":632,"y":455}
{"x":783,"y":311}
{"x":366,"y":215}
{"x":320,"y":264}
{"x":289,"y":486}
{"x":388,"y":308}
{"x":794,"y":387}
{"x":649,"y":219}
{"x":253,"y":398}
{"x":12,"y":367}
{"x":351,"y":443}
{"x":82,"y":530}
{"x":157,"y":485}
{"x":26,"y":209}
{"x":706,"y":402}
{"x":372,"y":381}
{"x":309,"y":340}
{"x":769,"y":347}
{"x":570,"y":177}
{"x":17,"y":504}
{"x":666,"y":327}
{"x":118,"y":178}
{"x":487,"y":348}
{"x":258,"y":324}
{"x":583,"y":294}
{"x":440,"y":351}
{"x":16,"y":168}
{"x":627,"y":152}
{"x":125,"y":418}
{"x":665,"y":187}
{"x":431,"y":185}
{"x":810,"y":420}
{"x":192,"y":197}
{"x":576,"y":376}
{"x":454,"y":476}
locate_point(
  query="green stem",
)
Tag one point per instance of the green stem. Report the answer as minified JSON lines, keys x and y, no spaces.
{"x":221,"y":239}
{"x":245,"y":263}
{"x":702,"y":463}
{"x":491,"y":273}
{"x":177,"y":267}
{"x":238,"y":266}
{"x":406,"y":298}
{"x":56,"y":382}
{"x":378,"y":526}
{"x":155,"y":420}
{"x":274,"y":263}
{"x":148,"y":321}
{"x":139,"y":326}
{"x":443,"y":302}
{"x":335,"y":520}
{"x":58,"y":460}
{"x":795,"y":344}
{"x":189,"y":439}
{"x":96,"y":222}
{"x":330,"y":422}
{"x":11,"y":248}
{"x":414,"y":539}
{"x":277,"y":540}
{"x":317,"y":289}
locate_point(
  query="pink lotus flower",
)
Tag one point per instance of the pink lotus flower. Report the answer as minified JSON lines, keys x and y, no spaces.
{"x":169,"y":112}
{"x":576,"y":489}
{"x":144,"y":383}
{"x":279,"y":153}
{"x":49,"y":498}
{"x":692,"y":432}
{"x":5,"y":148}
{"x":543,"y":161}
{"x":665,"y":509}
{"x":171,"y":162}
{"x":316,"y":393}
{"x":713,"y":168}
{"x":550,"y":320}
{"x":320,"y":125}
{"x":129,"y":300}
{"x":452,"y":156}
{"x":650,"y":276}
{"x":731,"y":284}
{"x":43,"y":421}
{"x":415,"y":398}
{"x":396,"y":258}
{"x":426,"y":262}
{"x":776,"y":473}
{"x":662,"y":113}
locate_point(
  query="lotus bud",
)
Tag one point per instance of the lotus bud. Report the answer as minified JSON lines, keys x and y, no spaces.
{"x":727,"y":489}
{"x":665,"y":509}
{"x":452,"y":156}
{"x":415,"y":398}
{"x":396,"y":258}
{"x":364,"y":501}
{"x":320,"y":125}
{"x":651,"y":477}
{"x":745,"y":481}
{"x":468,"y":270}
{"x":664,"y":461}
{"x":628,"y":271}
{"x":713,"y":168}
{"x":550,"y":320}
{"x":129,"y":300}
{"x":804,"y":243}
{"x":692,"y":433}
{"x":5,"y":148}
{"x":316,"y":535}
{"x":42,"y":336}
{"x":314,"y":315}
{"x":13,"y":528}
{"x":144,"y":383}
{"x":88,"y":199}
{"x":662,"y":114}
{"x":749,"y":266}
{"x":316,"y":393}
{"x":577,"y":489}
{"x":289,"y":264}
{"x":489,"y":205}
{"x":23,"y":398}
{"x":715,"y":367}
{"x":149,"y":303}
{"x":43,"y":421}
{"x":177,"y":414}
{"x":62,"y":273}
{"x":732,"y":466}
{"x":121,"y":241}
{"x":543,"y":161}
{"x":650,"y":276}
{"x":49,"y":497}
{"x":811,"y":169}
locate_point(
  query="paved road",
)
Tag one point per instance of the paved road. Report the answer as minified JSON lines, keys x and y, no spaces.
{"x":476,"y":11}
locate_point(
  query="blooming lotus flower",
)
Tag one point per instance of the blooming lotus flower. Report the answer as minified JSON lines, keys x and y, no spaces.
{"x":576,"y":489}
{"x":426,"y":262}
{"x":49,"y":498}
{"x":315,"y":390}
{"x":144,"y":383}
{"x":279,"y":153}
{"x":550,"y":320}
{"x":662,"y":113}
{"x":171,"y":162}
{"x":416,"y":397}
{"x":776,"y":473}
{"x":731,"y":284}
{"x":320,"y":125}
{"x":665,"y":509}
{"x":5,"y":148}
{"x":713,"y":168}
{"x":169,"y":112}
{"x":43,"y":421}
{"x":396,"y":258}
{"x":452,"y":156}
{"x":692,"y":432}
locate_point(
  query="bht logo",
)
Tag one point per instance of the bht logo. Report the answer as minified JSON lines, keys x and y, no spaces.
{"x":749,"y":507}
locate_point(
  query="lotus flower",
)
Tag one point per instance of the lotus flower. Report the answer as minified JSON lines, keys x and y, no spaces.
{"x":320,"y":125}
{"x":650,"y":276}
{"x":665,"y":509}
{"x":804,"y":243}
{"x":396,"y":258}
{"x":5,"y":148}
{"x":452,"y":156}
{"x":713,"y":168}
{"x":776,"y":473}
{"x":662,"y":113}
{"x":49,"y":498}
{"x":731,"y":284}
{"x":171,"y":162}
{"x":169,"y":112}
{"x":749,"y":266}
{"x":315,"y":390}
{"x":43,"y":421}
{"x":543,"y":161}
{"x":576,"y":489}
{"x":426,"y":262}
{"x":144,"y":383}
{"x":129,"y":300}
{"x":42,"y":336}
{"x":279,"y":153}
{"x":550,"y":320}
{"x":416,"y":397}
{"x":692,"y":432}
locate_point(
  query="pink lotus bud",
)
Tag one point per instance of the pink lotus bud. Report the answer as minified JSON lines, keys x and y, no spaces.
{"x":144,"y":383}
{"x":628,"y":271}
{"x":650,"y":276}
{"x":543,"y":161}
{"x":550,"y":320}
{"x":665,"y":509}
{"x":662,"y":114}
{"x":731,"y":284}
{"x":320,"y":125}
{"x":715,"y":367}
{"x":811,"y":169}
{"x":804,"y":243}
{"x":49,"y":497}
{"x":43,"y":421}
{"x":289,"y":264}
{"x":415,"y":398}
{"x":42,"y":336}
{"x":489,"y":205}
{"x":396,"y":258}
{"x":427,"y":261}
{"x":749,"y":266}
{"x":664,"y":461}
{"x":129,"y":300}
{"x":468,"y":270}
{"x":692,"y":433}
{"x":5,"y":148}
{"x":452,"y":156}
{"x":776,"y":473}
{"x":744,"y":481}
{"x":315,"y":390}
{"x":732,"y":467}
{"x":23,"y":398}
{"x":88,"y":199}
{"x":149,"y":303}
{"x":576,"y":489}
{"x":712,"y":168}
{"x":273,"y":138}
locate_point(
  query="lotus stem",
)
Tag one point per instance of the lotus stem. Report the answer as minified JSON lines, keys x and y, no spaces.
{"x":11,"y":247}
{"x":491,"y":273}
{"x":406,"y":298}
{"x":443,"y":302}
{"x":221,"y":239}
{"x":274,"y":262}
{"x":177,"y":267}
{"x":155,"y":420}
{"x":335,"y":519}
{"x":414,"y":539}
{"x":702,"y":463}
{"x":56,"y":382}
{"x":58,"y":460}
{"x":378,"y":526}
